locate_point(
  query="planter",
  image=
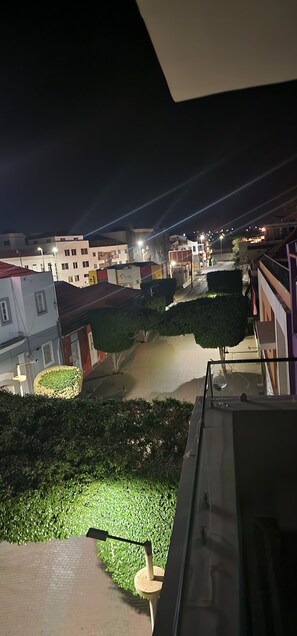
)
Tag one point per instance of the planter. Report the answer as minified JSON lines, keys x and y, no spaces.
{"x":60,"y":382}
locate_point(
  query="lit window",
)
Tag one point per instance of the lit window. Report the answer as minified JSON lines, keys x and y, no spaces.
{"x":47,"y":352}
{"x":85,"y":263}
{"x":65,"y":266}
{"x":5,"y":314}
{"x":40,"y":302}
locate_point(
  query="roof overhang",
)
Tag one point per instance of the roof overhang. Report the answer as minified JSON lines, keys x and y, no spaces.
{"x":213,"y":47}
{"x":266,"y":334}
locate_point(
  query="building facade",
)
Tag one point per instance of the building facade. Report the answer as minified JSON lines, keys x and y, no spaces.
{"x":29,"y":329}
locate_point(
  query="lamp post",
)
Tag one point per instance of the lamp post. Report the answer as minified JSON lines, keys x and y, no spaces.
{"x":149,"y":580}
{"x":55,"y":250}
{"x":39,"y":249}
{"x":221,"y":239}
{"x":140,"y":244}
{"x":19,"y":377}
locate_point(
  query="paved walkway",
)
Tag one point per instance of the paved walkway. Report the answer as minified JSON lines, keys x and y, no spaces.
{"x":171,"y":367}
{"x":60,"y":588}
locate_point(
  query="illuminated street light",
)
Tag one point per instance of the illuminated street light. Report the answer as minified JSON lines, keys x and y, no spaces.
{"x":39,"y":249}
{"x":202,"y":237}
{"x":148,"y":581}
{"x":221,"y":239}
{"x":55,"y":251}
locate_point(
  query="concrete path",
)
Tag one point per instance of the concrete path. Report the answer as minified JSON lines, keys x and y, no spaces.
{"x":61,"y":589}
{"x":171,"y":367}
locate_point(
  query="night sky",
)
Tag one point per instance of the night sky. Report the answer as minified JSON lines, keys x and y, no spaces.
{"x":89,"y":132}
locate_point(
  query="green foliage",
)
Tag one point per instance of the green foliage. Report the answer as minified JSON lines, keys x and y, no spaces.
{"x":180,"y":319}
{"x":222,"y":321}
{"x":67,"y":466}
{"x":156,"y":303}
{"x":112,"y":329}
{"x":225,"y":281}
{"x":218,"y":321}
{"x":158,"y":288}
{"x":63,"y":381}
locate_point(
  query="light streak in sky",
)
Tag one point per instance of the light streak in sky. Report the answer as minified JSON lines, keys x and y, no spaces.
{"x":145,"y":205}
{"x":229,"y":195}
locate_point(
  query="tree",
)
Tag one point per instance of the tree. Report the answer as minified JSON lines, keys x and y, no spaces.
{"x":215,"y":322}
{"x":113,"y":331}
{"x":227,"y":281}
{"x":222,"y":322}
{"x":158,"y":288}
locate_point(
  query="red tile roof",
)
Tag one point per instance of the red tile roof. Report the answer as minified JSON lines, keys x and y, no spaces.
{"x":7,"y":270}
{"x":74,"y":302}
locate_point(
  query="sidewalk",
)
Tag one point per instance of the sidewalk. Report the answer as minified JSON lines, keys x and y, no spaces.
{"x":60,"y":588}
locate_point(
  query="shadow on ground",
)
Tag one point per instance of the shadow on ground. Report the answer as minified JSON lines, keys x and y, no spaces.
{"x":140,"y":605}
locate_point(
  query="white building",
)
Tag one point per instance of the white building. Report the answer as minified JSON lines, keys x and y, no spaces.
{"x":29,"y":330}
{"x":69,"y":257}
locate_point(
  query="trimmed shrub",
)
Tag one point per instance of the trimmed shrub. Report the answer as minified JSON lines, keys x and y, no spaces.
{"x":227,"y":281}
{"x":222,"y":321}
{"x":60,"y":382}
{"x":66,"y":466}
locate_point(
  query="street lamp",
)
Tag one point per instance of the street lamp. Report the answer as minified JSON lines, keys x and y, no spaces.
{"x":55,"y":250}
{"x":221,"y":239}
{"x":149,"y":580}
{"x":140,"y":244}
{"x":39,"y":249}
{"x":19,"y":377}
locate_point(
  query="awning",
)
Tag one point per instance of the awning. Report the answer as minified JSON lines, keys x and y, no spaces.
{"x":266,"y":334}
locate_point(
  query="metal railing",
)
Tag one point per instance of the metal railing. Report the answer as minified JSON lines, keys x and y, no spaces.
{"x":279,"y":271}
{"x":218,"y":388}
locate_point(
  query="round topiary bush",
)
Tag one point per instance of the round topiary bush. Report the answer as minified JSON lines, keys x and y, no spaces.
{"x":60,"y":382}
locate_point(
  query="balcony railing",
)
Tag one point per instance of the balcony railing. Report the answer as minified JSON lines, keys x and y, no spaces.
{"x":187,"y":587}
{"x":279,"y":271}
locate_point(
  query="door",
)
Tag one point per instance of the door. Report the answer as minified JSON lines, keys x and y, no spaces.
{"x":75,"y":352}
{"x":93,"y":351}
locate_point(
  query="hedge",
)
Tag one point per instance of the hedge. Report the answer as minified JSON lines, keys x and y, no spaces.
{"x":66,"y":466}
{"x":228,"y":281}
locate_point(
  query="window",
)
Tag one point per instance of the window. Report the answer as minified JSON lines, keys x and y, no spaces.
{"x":86,"y":275}
{"x":95,"y":265}
{"x":75,"y":266}
{"x":76,"y":277}
{"x":70,"y":279}
{"x":6,"y":242}
{"x":47,"y":240}
{"x":85,"y":263}
{"x":47,"y":352}
{"x":35,"y":242}
{"x":73,"y":252}
{"x":65,"y":266}
{"x":63,"y":239}
{"x":67,"y":252}
{"x":84,"y":250}
{"x":40,"y":302}
{"x":94,"y":253}
{"x":49,"y":267}
{"x":5,"y":314}
{"x":75,"y":238}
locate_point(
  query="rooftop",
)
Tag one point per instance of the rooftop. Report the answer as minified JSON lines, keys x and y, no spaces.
{"x":74,"y":302}
{"x":9,"y":271}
